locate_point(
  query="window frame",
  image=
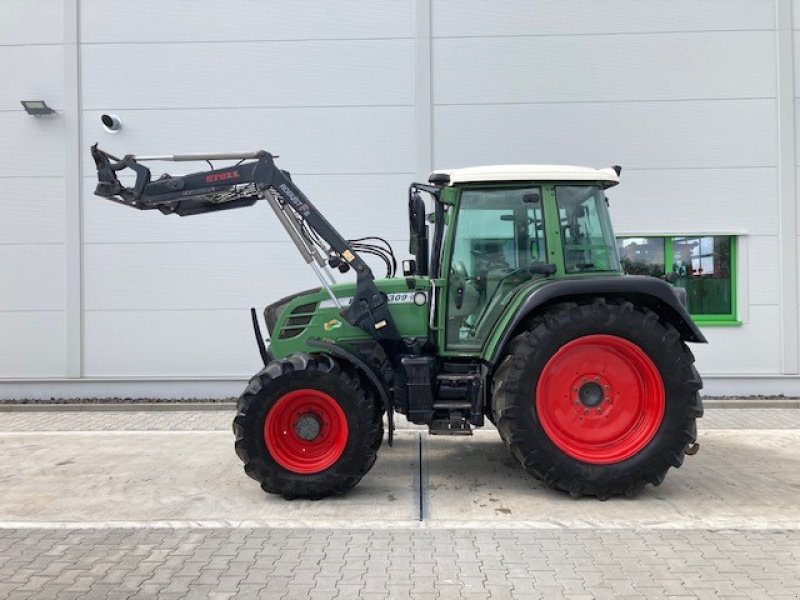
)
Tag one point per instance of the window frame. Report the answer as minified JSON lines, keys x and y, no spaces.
{"x":704,"y":320}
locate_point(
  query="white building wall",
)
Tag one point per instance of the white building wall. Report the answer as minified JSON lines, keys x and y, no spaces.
{"x":327,"y":86}
{"x":683,"y":94}
{"x":32,"y":279}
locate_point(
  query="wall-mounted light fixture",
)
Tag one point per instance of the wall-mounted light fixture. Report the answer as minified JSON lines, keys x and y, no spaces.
{"x":111,"y":123}
{"x":37,"y":108}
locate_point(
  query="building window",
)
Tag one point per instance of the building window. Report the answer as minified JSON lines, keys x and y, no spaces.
{"x":705,"y":266}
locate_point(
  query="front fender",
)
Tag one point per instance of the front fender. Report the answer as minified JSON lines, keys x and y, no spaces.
{"x":655,"y":294}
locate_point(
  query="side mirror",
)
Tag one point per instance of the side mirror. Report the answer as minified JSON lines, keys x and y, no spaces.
{"x":416,"y":221}
{"x":418,"y":232}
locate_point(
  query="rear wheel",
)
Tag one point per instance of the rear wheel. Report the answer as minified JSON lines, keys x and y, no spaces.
{"x":306,"y":427}
{"x":598,"y":399}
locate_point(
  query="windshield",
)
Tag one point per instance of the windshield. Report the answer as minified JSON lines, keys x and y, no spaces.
{"x":499,"y":235}
{"x":587,"y":236}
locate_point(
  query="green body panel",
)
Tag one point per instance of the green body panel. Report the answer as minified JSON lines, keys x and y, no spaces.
{"x":327,"y":324}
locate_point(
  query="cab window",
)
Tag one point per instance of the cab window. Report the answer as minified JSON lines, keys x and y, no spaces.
{"x":586,"y":233}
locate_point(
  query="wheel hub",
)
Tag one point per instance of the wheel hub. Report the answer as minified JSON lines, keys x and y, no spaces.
{"x":307,"y":427}
{"x":590,"y":394}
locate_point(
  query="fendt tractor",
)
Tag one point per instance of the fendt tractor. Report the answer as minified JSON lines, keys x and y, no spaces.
{"x":514,"y":308}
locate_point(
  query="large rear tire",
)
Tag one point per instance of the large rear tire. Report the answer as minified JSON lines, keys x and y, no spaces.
{"x":598,"y":399}
{"x":307,"y":428}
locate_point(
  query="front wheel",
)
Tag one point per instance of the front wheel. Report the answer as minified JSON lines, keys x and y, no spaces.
{"x":306,"y":427}
{"x":598,"y":399}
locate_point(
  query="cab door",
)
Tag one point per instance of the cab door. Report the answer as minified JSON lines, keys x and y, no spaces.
{"x":497,"y":233}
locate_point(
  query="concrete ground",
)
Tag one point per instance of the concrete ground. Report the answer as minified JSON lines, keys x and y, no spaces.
{"x":154,"y":504}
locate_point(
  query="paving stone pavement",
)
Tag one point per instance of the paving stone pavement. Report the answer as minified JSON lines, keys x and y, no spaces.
{"x":629,"y":563}
{"x":436,"y":564}
{"x":218,"y":420}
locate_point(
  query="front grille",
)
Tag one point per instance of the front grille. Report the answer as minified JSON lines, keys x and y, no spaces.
{"x":298,"y":320}
{"x":273,"y":311}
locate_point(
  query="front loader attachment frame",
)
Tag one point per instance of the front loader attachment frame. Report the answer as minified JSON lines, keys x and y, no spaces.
{"x":255,"y":177}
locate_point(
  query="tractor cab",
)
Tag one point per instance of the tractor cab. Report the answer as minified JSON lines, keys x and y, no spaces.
{"x":507,"y":226}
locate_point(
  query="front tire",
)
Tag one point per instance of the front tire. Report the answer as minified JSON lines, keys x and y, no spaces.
{"x":598,"y":399}
{"x":307,"y":428}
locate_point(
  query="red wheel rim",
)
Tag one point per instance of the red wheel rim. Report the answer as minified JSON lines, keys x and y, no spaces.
{"x":600,"y":399}
{"x":306,"y":431}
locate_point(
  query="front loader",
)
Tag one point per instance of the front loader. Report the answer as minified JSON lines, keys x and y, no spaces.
{"x":514,"y":308}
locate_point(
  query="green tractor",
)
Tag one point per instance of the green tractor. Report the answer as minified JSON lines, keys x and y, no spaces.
{"x":514,"y":309}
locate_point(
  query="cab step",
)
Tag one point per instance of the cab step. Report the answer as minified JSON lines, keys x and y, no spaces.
{"x":458,"y":376}
{"x":455,"y":425}
{"x":452,"y":405}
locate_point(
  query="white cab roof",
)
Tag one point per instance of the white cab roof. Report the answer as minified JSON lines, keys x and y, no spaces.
{"x":530,"y":173}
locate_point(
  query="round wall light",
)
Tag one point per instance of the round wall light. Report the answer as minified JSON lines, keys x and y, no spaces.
{"x":111,"y":123}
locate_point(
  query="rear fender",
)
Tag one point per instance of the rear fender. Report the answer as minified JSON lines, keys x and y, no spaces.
{"x":655,"y":294}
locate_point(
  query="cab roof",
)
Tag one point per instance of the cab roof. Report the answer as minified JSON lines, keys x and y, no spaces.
{"x":606,"y":177}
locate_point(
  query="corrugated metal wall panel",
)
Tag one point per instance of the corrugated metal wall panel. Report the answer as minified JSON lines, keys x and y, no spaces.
{"x":157,"y":343}
{"x":696,"y":200}
{"x":192,"y":275}
{"x":30,"y":147}
{"x":21,"y":82}
{"x":34,"y":344}
{"x":212,"y":20}
{"x":557,"y":17}
{"x":32,"y":22}
{"x":762,"y":270}
{"x":33,"y":210}
{"x":32,"y":292}
{"x":624,"y":67}
{"x":32,"y":276}
{"x":752,"y":348}
{"x":224,"y":75}
{"x":642,"y":135}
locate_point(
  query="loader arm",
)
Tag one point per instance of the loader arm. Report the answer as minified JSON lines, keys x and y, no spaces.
{"x":243,"y":185}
